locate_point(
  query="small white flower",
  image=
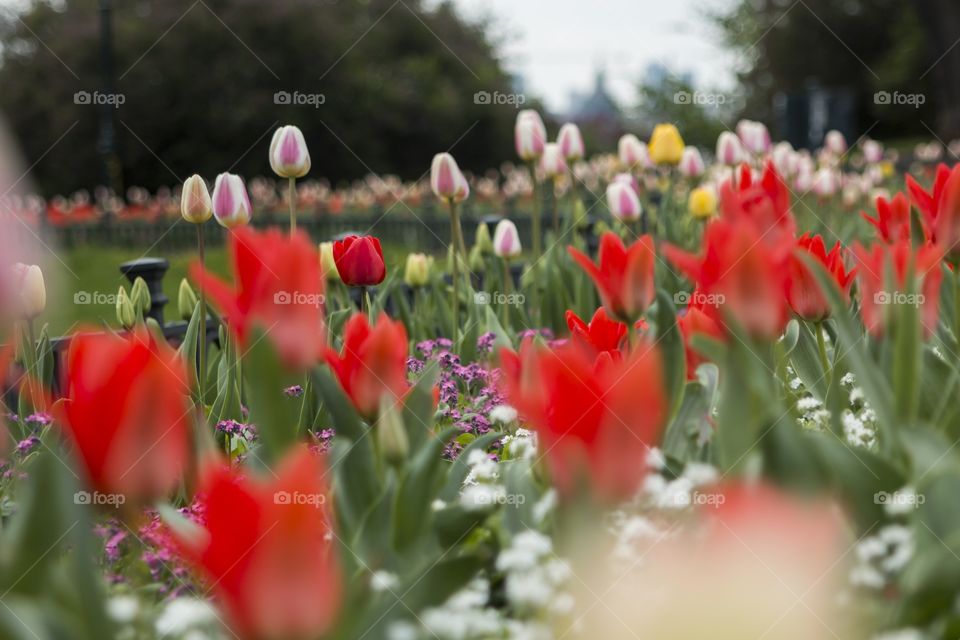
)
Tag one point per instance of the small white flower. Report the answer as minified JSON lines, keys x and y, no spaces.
{"x":383,"y":581}
{"x":503,"y":414}
{"x":183,"y":614}
{"x":656,"y":459}
{"x":123,"y":609}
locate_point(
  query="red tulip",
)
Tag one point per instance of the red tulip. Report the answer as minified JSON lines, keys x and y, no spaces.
{"x":929,"y":203}
{"x":602,"y":334}
{"x":373,"y":362}
{"x":126,"y":411}
{"x":279,"y":289}
{"x":878,"y":297}
{"x":696,"y":321}
{"x":940,"y":210}
{"x":624,"y":276}
{"x":803,"y":291}
{"x":764,"y":204}
{"x":359,"y":261}
{"x":745,"y":276}
{"x":265,"y":550}
{"x":893,"y":218}
{"x":595,"y":416}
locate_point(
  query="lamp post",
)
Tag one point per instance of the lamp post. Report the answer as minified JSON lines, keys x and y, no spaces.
{"x":107,"y":141}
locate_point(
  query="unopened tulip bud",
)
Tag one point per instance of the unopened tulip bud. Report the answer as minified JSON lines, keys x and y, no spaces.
{"x":506,"y":240}
{"x":580,"y":219}
{"x":666,"y":145}
{"x":551,"y":162}
{"x":328,"y":265}
{"x":835,"y":143}
{"x":195,"y":203}
{"x":482,"y":239}
{"x":703,"y":202}
{"x":729,"y":150}
{"x":475,"y":260}
{"x":444,"y":176}
{"x":623,"y":201}
{"x":30,"y":288}
{"x":126,"y":314}
{"x":530,"y":135}
{"x":754,"y":136}
{"x":571,"y":142}
{"x":289,"y":157}
{"x":417,"y":271}
{"x":231,"y":203}
{"x":140,"y":295}
{"x":691,"y":164}
{"x":632,"y":153}
{"x":463,"y":188}
{"x":186,"y":300}
{"x":391,"y":434}
{"x":872,"y":151}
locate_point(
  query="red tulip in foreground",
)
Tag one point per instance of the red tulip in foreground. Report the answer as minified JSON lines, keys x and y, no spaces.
{"x":265,"y":551}
{"x":764,"y":204}
{"x":879,"y":298}
{"x":278,"y":289}
{"x":940,"y":209}
{"x":359,"y":261}
{"x":126,"y":411}
{"x":624,"y":276}
{"x":601,"y":334}
{"x":695,"y":321}
{"x":803,"y":291}
{"x":373,"y":362}
{"x":744,"y":275}
{"x":893,"y":218}
{"x":596,"y":417}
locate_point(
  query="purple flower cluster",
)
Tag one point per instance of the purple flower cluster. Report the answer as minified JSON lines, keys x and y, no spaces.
{"x":237,"y":429}
{"x":322,"y":440}
{"x":293,"y":392}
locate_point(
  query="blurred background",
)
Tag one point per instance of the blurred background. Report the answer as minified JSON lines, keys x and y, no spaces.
{"x":146,"y":92}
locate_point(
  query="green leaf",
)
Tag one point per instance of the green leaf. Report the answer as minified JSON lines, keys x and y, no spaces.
{"x":672,"y":349}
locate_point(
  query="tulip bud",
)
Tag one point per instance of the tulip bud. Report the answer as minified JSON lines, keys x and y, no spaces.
{"x":551,"y":162}
{"x":391,"y":434}
{"x":445,"y":176}
{"x":729,"y":150}
{"x":231,"y":204}
{"x":186,"y":300}
{"x":835,"y":143}
{"x":126,"y":314}
{"x":140,"y":295}
{"x":691,"y":164}
{"x":571,"y":142}
{"x":703,"y":202}
{"x":872,"y":151}
{"x":579,"y":214}
{"x":417,"y":271}
{"x":289,"y":157}
{"x":632,"y":153}
{"x":785,"y":159}
{"x":530,"y":135}
{"x":506,"y":240}
{"x":463,"y":188}
{"x":29,"y":285}
{"x":623,"y":201}
{"x":666,"y":145}
{"x":482,"y":239}
{"x":328,"y":265}
{"x":825,"y":183}
{"x":195,"y":203}
{"x":475,"y":260}
{"x":754,"y":136}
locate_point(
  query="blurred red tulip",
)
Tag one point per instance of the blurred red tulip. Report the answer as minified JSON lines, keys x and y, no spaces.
{"x":940,"y":209}
{"x":359,"y":261}
{"x":695,"y":321}
{"x":279,"y":289}
{"x":624,"y":276}
{"x":741,"y":276}
{"x":373,"y":362}
{"x":764,"y":204}
{"x":878,"y":297}
{"x":601,"y":334}
{"x":126,"y":411}
{"x":803,"y":292}
{"x":596,"y":417}
{"x":893,"y":218}
{"x":265,"y":550}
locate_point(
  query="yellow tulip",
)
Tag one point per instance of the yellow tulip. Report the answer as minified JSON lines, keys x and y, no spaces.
{"x":703,"y":202}
{"x":417,"y":272}
{"x":666,"y":145}
{"x":328,"y":266}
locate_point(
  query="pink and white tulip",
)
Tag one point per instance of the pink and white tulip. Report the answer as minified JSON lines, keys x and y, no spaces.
{"x":633,"y":154}
{"x":231,"y":203}
{"x":195,"y":203}
{"x":872,"y":151}
{"x":552,"y":163}
{"x":835,"y":143}
{"x":29,"y":289}
{"x":754,"y":136}
{"x":623,"y":201}
{"x":446,"y":180}
{"x":289,"y":157}
{"x":571,"y":142}
{"x":729,"y":150}
{"x":506,"y":240}
{"x":530,"y":135}
{"x":825,"y":183}
{"x":785,"y":159}
{"x":691,"y":164}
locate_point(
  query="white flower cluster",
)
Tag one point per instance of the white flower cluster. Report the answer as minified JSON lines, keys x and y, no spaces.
{"x":677,"y":493}
{"x":183,"y":618}
{"x":882,"y":556}
{"x":859,"y":421}
{"x":481,"y":488}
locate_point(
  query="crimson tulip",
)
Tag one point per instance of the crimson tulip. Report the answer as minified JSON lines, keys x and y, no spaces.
{"x":624,"y":276}
{"x":878,"y":295}
{"x":940,"y":209}
{"x":126,"y":411}
{"x":696,"y":321}
{"x":893,"y":218}
{"x":764,"y":204}
{"x":595,"y":416}
{"x":373,"y":362}
{"x":803,"y":291}
{"x":359,"y":261}
{"x":601,"y":334}
{"x":279,"y":288}
{"x":745,"y":276}
{"x":265,"y":549}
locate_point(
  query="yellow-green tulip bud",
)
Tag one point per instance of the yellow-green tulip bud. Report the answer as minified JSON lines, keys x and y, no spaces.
{"x":126,"y":314}
{"x":327,"y":264}
{"x":186,"y":300}
{"x":140,"y":296}
{"x":483,"y":241}
{"x":417,"y":271}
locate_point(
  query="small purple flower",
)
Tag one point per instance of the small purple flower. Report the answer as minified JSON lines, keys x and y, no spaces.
{"x":27,"y":445}
{"x":40,"y":418}
{"x":486,"y":341}
{"x":414,"y":365}
{"x":293,"y":392}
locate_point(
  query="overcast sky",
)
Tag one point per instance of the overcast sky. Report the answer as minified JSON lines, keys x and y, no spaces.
{"x":557,"y":45}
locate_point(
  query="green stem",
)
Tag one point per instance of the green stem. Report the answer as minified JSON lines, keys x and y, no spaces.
{"x":822,"y":348}
{"x":454,"y":226}
{"x":956,"y":302}
{"x":507,"y":287}
{"x":293,"y":205}
{"x":202,"y":333}
{"x":537,"y":249}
